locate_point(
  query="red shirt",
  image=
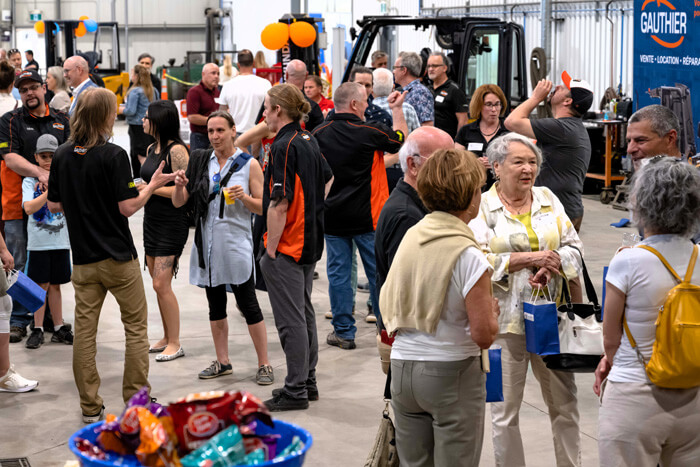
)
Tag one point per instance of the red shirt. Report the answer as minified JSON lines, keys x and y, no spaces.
{"x":200,"y":101}
{"x":325,"y":104}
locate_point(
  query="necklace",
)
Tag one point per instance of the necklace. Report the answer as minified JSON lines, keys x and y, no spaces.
{"x":498,"y":127}
{"x":511,"y":206}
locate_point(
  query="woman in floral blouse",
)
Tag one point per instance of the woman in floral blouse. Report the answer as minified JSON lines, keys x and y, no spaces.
{"x":530,"y":242}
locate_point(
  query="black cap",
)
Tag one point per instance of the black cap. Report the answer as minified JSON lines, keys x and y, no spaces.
{"x":28,"y":74}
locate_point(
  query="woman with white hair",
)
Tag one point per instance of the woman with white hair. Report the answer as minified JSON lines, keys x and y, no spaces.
{"x":530,"y":243}
{"x":641,"y":423}
{"x":56,"y":83}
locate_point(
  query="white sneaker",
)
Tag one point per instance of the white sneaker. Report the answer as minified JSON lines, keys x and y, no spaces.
{"x":14,"y":382}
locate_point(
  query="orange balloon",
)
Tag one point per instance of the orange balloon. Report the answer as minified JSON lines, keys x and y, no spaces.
{"x":39,"y":27}
{"x":302,"y":33}
{"x":83,"y":17}
{"x":275,"y":36}
{"x":80,"y":31}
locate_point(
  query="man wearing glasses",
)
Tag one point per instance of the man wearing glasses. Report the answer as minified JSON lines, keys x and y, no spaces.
{"x":451,"y":103}
{"x":19,"y":131}
{"x":76,"y":70}
{"x":407,"y":75}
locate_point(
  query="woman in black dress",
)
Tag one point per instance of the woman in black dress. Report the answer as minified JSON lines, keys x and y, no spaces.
{"x":165,"y":227}
{"x":488,"y":105}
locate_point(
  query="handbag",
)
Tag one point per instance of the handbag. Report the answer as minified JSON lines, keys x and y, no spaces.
{"x":541,"y":327}
{"x":26,"y":291}
{"x":383,"y":452}
{"x":580,"y":331}
{"x":494,"y":374}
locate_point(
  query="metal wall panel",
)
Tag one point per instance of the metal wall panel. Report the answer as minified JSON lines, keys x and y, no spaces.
{"x":581,"y":35}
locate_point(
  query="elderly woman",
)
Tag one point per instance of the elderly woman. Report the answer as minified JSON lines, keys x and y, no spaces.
{"x":437,"y":301}
{"x":639,"y":422}
{"x":529,"y":242}
{"x":488,"y":105}
{"x":56,"y":83}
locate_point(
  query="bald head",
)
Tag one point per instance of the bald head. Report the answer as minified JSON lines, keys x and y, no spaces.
{"x":420,"y":145}
{"x":297,"y":73}
{"x":76,"y":70}
{"x":210,"y":75}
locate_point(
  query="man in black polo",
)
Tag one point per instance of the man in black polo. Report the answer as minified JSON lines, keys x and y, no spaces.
{"x":451,"y":103}
{"x":355,"y":151}
{"x":19,"y":130}
{"x":403,"y":210}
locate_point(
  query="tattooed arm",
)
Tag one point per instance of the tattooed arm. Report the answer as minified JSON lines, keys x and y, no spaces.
{"x":179,"y":157}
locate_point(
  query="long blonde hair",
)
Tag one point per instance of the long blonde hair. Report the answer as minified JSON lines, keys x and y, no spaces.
{"x":93,"y":118}
{"x":228,"y":66}
{"x":143,"y":80}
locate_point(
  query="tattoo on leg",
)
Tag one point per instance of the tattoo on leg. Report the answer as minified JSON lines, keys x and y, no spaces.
{"x":163,"y":264}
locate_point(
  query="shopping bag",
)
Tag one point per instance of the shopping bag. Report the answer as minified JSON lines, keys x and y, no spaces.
{"x":26,"y":291}
{"x":541,"y":327}
{"x":494,"y":377}
{"x":602,"y":304}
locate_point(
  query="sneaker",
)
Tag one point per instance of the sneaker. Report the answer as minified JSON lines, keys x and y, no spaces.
{"x":370,"y":318}
{"x":316,"y":276}
{"x":35,"y":339}
{"x":364,"y":288}
{"x":333,"y":339}
{"x":216,"y":369}
{"x":329,"y":315}
{"x":311,"y":392}
{"x":14,"y":382}
{"x":284,"y":401}
{"x":98,"y":417}
{"x":265,"y":375}
{"x":17,"y":333}
{"x":63,"y":335}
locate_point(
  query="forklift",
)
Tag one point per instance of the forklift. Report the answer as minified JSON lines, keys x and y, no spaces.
{"x":482,"y":50}
{"x":115,"y":78}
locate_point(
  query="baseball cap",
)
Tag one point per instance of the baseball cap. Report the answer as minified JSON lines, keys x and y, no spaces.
{"x":29,"y":74}
{"x":581,"y":93}
{"x":46,"y":143}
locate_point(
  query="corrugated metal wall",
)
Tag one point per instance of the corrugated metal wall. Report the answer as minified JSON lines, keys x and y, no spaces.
{"x":584,"y":42}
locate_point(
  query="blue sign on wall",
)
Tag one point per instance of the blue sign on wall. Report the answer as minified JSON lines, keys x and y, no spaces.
{"x":667,"y":62}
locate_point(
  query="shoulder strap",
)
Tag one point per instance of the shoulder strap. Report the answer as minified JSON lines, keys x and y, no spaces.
{"x":663,"y":260}
{"x":691,"y":265}
{"x":590,"y":289}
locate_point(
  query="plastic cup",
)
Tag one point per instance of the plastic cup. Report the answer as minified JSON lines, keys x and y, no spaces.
{"x":228,"y":198}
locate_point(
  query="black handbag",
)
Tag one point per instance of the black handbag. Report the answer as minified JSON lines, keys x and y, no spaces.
{"x":588,"y":315}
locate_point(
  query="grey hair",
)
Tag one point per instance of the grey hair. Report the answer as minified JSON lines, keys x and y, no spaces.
{"x":662,"y":119}
{"x":57,"y":73}
{"x":412,"y":62}
{"x":409,"y":149}
{"x":377,"y":54}
{"x":345,"y":94}
{"x":499,"y":148}
{"x":665,"y":197}
{"x":383,"y":82}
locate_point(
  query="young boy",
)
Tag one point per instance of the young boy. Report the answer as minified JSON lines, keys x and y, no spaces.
{"x":48,"y":248}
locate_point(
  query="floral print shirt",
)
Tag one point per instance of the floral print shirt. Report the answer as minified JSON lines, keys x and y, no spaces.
{"x":499,"y":233}
{"x":421,"y":99}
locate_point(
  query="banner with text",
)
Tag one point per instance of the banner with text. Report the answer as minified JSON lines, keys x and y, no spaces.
{"x":667,"y":62}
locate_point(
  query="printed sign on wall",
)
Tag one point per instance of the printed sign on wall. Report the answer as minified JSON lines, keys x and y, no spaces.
{"x":667,"y":62}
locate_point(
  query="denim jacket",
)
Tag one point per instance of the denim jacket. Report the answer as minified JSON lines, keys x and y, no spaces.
{"x":136,"y":105}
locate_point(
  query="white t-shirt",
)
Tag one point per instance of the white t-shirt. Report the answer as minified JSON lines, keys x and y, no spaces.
{"x":8,"y":103}
{"x":452,"y":341}
{"x":244,"y":95}
{"x":645,"y":281}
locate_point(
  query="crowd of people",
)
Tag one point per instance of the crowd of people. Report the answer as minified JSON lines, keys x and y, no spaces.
{"x":456,"y":223}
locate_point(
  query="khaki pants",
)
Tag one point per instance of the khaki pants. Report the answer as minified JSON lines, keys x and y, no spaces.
{"x":559,"y":394}
{"x":438,"y":412}
{"x":91,"y":283}
{"x":641,"y":424}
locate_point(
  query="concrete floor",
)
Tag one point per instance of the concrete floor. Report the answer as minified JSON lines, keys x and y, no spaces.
{"x":343,"y":422}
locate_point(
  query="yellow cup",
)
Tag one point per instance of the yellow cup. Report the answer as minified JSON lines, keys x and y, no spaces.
{"x":228,"y":198}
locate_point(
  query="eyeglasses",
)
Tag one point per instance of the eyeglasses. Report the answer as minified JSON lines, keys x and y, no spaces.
{"x":494,"y":105}
{"x":217,"y":183}
{"x":145,"y":117}
{"x":398,"y":66}
{"x":435,"y":66}
{"x":32,"y":88}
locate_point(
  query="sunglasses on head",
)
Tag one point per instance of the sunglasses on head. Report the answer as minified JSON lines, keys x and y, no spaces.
{"x":13,"y":51}
{"x":217,"y":183}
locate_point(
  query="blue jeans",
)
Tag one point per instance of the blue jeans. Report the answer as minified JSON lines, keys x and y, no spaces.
{"x":16,"y":238}
{"x":198,"y":141}
{"x":339,"y":270}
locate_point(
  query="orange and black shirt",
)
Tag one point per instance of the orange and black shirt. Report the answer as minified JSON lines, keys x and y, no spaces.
{"x":355,"y":151}
{"x":297,"y":172}
{"x":19,"y":130}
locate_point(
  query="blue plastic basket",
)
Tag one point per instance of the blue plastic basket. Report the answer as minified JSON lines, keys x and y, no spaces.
{"x":27,"y":292}
{"x":286,"y":431}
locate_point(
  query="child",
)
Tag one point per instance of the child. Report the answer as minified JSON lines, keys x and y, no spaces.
{"x":48,"y":248}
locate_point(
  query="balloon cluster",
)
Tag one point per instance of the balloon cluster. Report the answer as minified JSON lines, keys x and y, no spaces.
{"x":276,"y":35}
{"x":84,"y":26}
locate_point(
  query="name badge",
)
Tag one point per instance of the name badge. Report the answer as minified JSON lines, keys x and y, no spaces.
{"x":475,"y":146}
{"x":439,"y":99}
{"x":543,"y":220}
